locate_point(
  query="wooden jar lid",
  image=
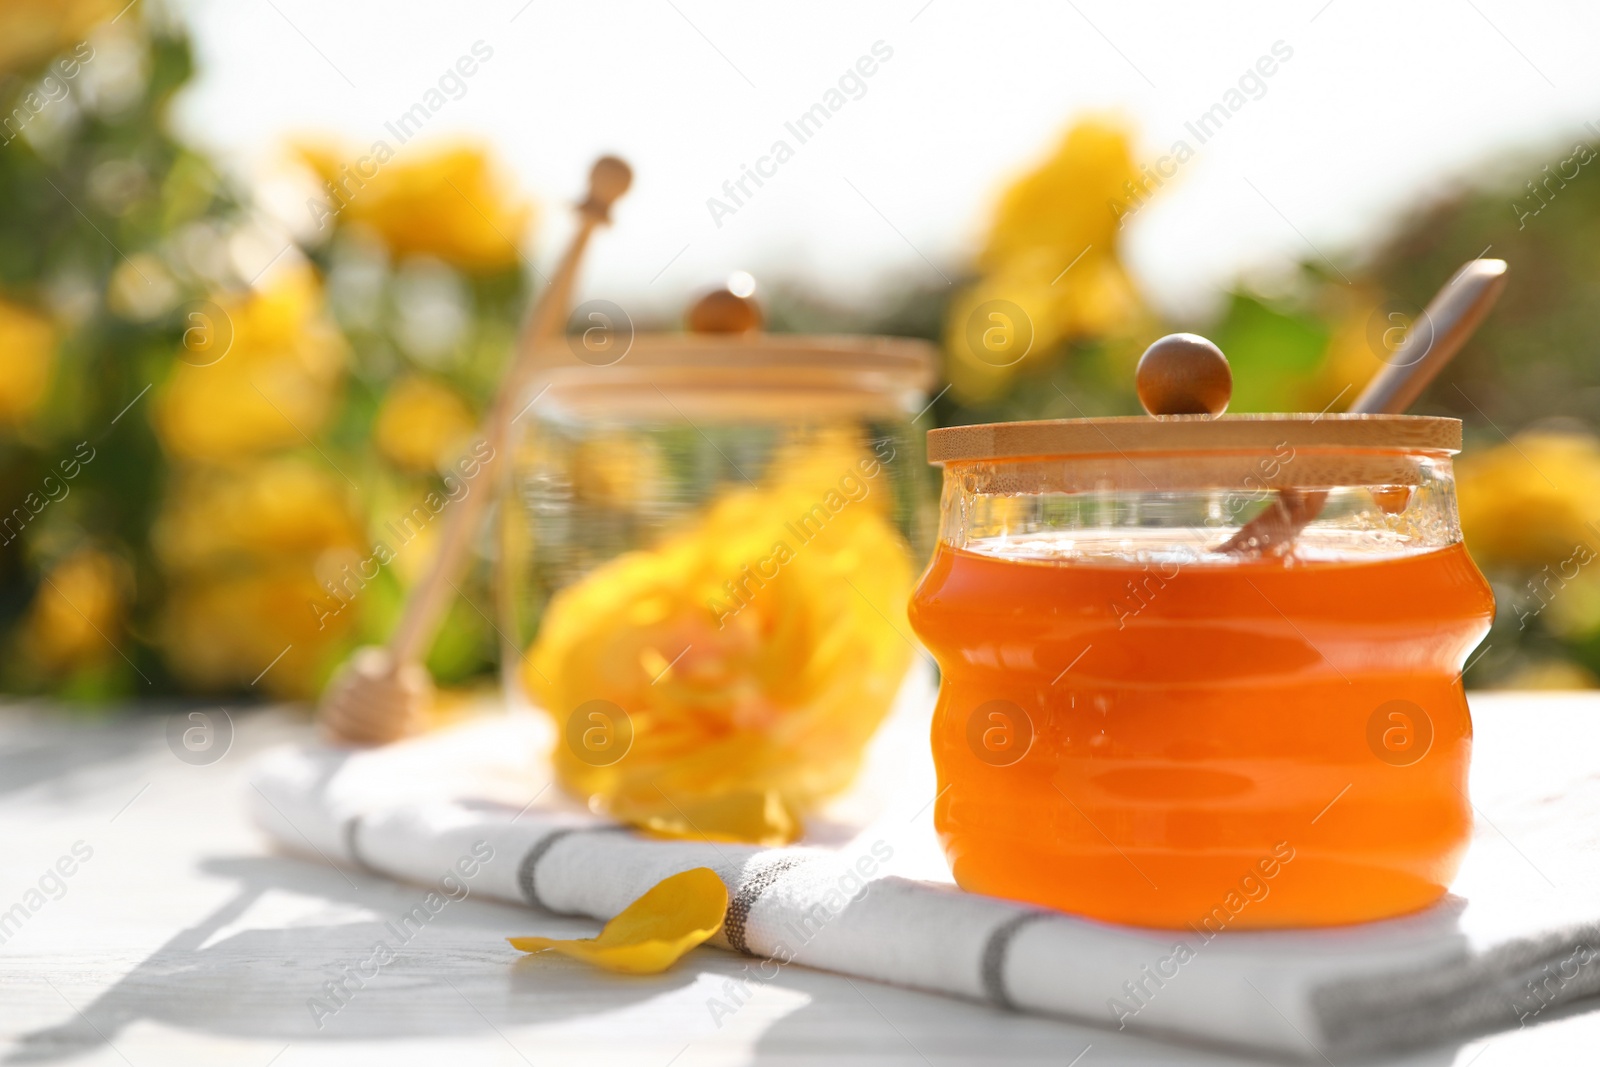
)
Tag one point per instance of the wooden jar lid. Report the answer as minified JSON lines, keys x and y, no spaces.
{"x":725,"y":368}
{"x":1192,"y":434}
{"x":752,"y":374}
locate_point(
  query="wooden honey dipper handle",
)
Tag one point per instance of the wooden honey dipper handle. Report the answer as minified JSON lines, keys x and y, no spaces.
{"x":382,"y":694}
{"x":608,"y":180}
{"x":1433,"y":340}
{"x":1452,"y":316}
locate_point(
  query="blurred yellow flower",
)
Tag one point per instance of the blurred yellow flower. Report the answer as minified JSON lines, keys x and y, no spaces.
{"x":422,"y":424}
{"x":1352,"y":357}
{"x":1550,"y":674}
{"x":225,"y":630}
{"x":1049,"y":270}
{"x":244,"y":548}
{"x":742,"y":664}
{"x":261,"y":375}
{"x":27,"y":354}
{"x":77,"y":612}
{"x":31,"y":30}
{"x":1063,"y":205}
{"x":1568,"y":604}
{"x":615,"y":470}
{"x":286,"y":506}
{"x":451,"y":203}
{"x":1531,"y":500}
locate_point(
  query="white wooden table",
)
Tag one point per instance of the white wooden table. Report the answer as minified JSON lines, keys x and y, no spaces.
{"x":182,"y":938}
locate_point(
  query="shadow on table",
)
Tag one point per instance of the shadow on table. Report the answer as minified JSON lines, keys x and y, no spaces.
{"x":861,"y":1021}
{"x":850,"y":1021}
{"x":69,"y":759}
{"x":453,"y":975}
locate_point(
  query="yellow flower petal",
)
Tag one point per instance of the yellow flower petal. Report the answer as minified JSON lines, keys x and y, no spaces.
{"x":757,"y":817}
{"x":650,"y":934}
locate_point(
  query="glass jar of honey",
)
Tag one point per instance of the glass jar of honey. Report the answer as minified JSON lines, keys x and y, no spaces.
{"x":708,"y":543}
{"x":1142,"y":720}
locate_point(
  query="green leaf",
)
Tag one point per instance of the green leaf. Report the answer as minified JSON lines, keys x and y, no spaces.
{"x":1273,"y":353}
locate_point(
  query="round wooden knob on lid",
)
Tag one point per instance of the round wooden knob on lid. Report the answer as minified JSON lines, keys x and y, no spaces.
{"x":1184,"y":374}
{"x":726,"y":311}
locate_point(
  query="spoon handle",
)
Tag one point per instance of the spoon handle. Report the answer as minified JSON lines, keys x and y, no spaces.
{"x":1434,"y":338}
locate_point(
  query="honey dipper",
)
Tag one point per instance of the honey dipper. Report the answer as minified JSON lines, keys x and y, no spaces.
{"x":1185,"y":374}
{"x":383,"y":692}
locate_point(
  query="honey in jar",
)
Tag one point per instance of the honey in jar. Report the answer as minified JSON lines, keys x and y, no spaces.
{"x":1139,"y":724}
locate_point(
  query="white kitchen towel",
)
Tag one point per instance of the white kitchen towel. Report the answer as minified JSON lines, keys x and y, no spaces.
{"x":1516,"y":951}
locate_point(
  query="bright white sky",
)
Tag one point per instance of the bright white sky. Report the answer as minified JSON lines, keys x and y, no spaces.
{"x":1383,"y":105}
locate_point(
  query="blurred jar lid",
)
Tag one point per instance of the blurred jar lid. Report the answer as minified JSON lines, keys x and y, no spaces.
{"x":726,"y":367}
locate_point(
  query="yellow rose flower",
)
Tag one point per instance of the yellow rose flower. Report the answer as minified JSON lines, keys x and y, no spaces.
{"x":244,"y":548}
{"x":1530,"y":501}
{"x":1064,"y":205}
{"x":222,"y":630}
{"x":1550,"y":674}
{"x":422,"y":423}
{"x":276,"y":380}
{"x":31,"y":31}
{"x":1351,"y":359}
{"x":615,"y":470}
{"x":28,"y":345}
{"x":743,"y":663}
{"x":1569,"y":607}
{"x":993,"y":326}
{"x":1049,"y":269}
{"x":287,"y":506}
{"x":77,"y":612}
{"x":449,"y":202}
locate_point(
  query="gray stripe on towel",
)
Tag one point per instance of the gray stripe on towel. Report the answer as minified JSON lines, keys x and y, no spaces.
{"x":352,"y":850}
{"x":530,"y":862}
{"x":992,"y":968}
{"x":750,"y":891}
